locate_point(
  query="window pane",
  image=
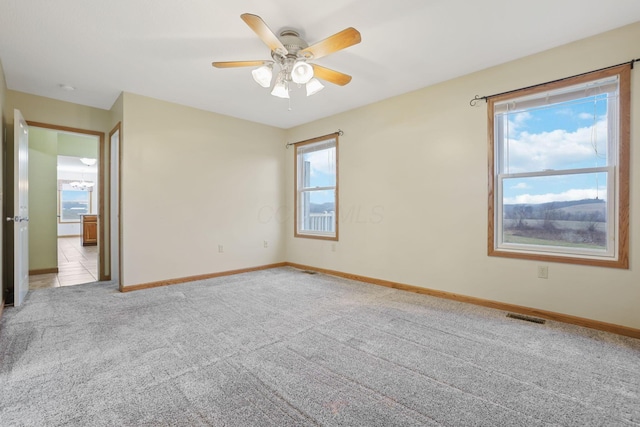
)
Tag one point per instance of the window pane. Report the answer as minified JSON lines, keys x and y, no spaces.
{"x":317,"y":211}
{"x":73,"y":203}
{"x":566,"y":135}
{"x":318,"y":168}
{"x":559,"y":210}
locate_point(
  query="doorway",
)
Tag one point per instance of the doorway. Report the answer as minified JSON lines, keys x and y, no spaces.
{"x":68,"y":203}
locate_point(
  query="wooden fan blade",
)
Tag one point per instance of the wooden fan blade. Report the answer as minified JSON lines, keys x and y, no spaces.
{"x":329,"y":75}
{"x":342,"y":40}
{"x":262,"y":30}
{"x":233,"y":64}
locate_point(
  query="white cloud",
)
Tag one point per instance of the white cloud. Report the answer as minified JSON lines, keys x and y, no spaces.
{"x":557,"y":149}
{"x":574,"y":194}
{"x":585,"y":116}
{"x":323,"y":162}
{"x":516,"y":121}
{"x":520,"y":186}
{"x":565,"y":112}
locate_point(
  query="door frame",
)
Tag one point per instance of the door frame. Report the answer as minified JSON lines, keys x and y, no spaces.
{"x":103,"y":163}
{"x":115,"y":175}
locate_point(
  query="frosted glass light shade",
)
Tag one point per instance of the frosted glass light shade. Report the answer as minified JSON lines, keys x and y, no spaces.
{"x":280,"y":89}
{"x":262,"y":75}
{"x":301,"y":72}
{"x":314,"y":86}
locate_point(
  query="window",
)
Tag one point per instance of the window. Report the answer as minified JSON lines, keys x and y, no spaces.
{"x":559,"y":170}
{"x":73,"y":202}
{"x":316,"y":194}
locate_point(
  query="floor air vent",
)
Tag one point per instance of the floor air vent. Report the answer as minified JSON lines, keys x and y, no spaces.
{"x":526,"y":318}
{"x":309,"y":272}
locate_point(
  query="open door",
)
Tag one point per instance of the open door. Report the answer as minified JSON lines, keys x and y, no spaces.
{"x":20,"y":209}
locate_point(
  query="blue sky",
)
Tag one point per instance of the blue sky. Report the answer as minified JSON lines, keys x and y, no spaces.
{"x":323,"y":165}
{"x":571,"y":135}
{"x":75,"y":195}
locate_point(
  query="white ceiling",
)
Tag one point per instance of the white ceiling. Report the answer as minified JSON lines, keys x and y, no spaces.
{"x":164,"y":48}
{"x":73,"y":164}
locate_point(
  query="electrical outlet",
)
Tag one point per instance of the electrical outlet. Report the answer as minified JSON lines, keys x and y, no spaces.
{"x":220,"y":249}
{"x":265,"y":244}
{"x":333,"y":247}
{"x":543,"y":272}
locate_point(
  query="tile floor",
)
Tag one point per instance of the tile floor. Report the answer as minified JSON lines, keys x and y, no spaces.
{"x":76,"y":264}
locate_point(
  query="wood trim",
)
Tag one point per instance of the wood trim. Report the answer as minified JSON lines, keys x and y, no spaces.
{"x":314,"y":237}
{"x":624,"y":156}
{"x":101,"y":212}
{"x":559,"y":317}
{"x":491,"y":177}
{"x":64,"y":128}
{"x":43,"y":271}
{"x":198,"y":277}
{"x":624,"y":71}
{"x":101,"y":175}
{"x":529,"y":311}
{"x":317,"y":139}
{"x":120,"y":233}
{"x":116,"y":128}
{"x":295,"y":191}
{"x":2,"y":307}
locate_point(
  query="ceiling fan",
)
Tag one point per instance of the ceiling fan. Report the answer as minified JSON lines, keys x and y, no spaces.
{"x":292,"y":55}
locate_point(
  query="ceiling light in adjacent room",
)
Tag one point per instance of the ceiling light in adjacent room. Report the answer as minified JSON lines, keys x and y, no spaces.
{"x":88,"y":161}
{"x":84,"y":185}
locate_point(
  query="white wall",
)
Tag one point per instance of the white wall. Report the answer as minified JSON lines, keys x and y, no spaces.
{"x":413,"y":192}
{"x":3,"y":89}
{"x":193,"y":180}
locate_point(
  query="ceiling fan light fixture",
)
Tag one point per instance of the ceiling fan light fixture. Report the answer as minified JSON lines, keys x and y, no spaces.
{"x":314,"y":86}
{"x":301,"y":72}
{"x":262,"y":75}
{"x":281,"y":88}
{"x":291,"y":54}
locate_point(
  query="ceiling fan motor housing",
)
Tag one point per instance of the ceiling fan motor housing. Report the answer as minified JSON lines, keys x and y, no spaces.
{"x":293,"y":43}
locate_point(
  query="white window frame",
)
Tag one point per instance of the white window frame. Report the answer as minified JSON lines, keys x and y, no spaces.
{"x":316,"y":144}
{"x":617,"y":170}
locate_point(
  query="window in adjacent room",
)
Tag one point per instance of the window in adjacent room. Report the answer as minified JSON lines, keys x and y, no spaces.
{"x":559,"y":170}
{"x":74,"y":203}
{"x":316,"y":192}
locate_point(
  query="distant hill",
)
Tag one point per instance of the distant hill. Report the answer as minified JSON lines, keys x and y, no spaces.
{"x":573,"y":210}
{"x":586,"y":207}
{"x":321,"y":207}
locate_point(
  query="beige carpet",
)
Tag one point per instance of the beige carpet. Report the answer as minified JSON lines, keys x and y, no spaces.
{"x":281,"y":347}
